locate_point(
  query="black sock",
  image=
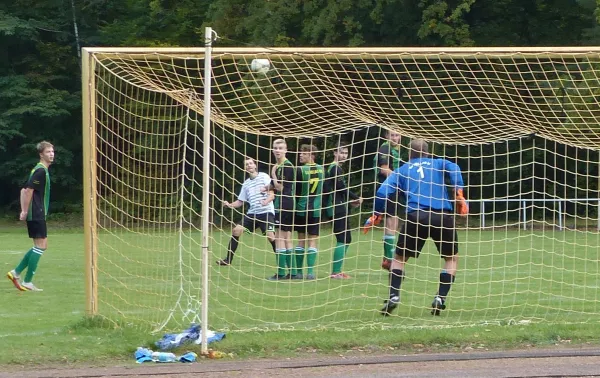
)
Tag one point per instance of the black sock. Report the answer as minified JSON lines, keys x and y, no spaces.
{"x":396,"y":276}
{"x":233,"y":244}
{"x":273,"y":245}
{"x":446,"y":281}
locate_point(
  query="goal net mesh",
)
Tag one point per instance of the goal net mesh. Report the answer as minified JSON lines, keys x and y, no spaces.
{"x":522,"y":126}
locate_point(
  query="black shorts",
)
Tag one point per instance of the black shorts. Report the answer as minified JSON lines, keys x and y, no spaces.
{"x":37,"y":229}
{"x":284,"y":220}
{"x":341,"y":228}
{"x":265,"y":222}
{"x":421,"y":225}
{"x":307,"y":225}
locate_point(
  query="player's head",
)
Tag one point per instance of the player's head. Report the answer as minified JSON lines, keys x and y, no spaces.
{"x":341,"y":153}
{"x":308,"y":153}
{"x":46,"y":151}
{"x":250,"y":164}
{"x":393,"y":137}
{"x":418,"y":148}
{"x":279,"y":148}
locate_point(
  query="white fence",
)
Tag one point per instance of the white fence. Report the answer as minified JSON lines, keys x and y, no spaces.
{"x":562,"y":202}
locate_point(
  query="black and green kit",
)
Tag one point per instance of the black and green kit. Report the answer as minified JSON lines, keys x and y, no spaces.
{"x":338,"y":193}
{"x":285,"y":174}
{"x":309,"y":190}
{"x":387,"y":155}
{"x":39,"y":181}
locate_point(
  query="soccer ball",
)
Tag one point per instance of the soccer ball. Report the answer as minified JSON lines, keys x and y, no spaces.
{"x":260,"y":65}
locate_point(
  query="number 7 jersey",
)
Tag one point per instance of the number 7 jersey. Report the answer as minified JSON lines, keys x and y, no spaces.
{"x":309,"y":189}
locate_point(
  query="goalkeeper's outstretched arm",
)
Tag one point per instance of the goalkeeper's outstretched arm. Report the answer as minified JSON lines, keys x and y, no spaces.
{"x":456,"y":181}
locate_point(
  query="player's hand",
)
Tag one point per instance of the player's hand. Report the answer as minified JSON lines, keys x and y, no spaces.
{"x":227,"y":204}
{"x":373,"y":220}
{"x":462,"y":208}
{"x":356,"y":202}
{"x":265,"y":202}
{"x":23,"y":215}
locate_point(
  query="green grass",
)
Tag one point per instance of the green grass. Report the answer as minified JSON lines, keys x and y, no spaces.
{"x":514,"y":288}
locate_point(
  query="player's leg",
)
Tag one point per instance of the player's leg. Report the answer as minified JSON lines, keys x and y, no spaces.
{"x":236,"y":233}
{"x":410,"y":244}
{"x":279,"y":246}
{"x":289,"y":243}
{"x":389,"y":233}
{"x":443,"y":232}
{"x":312,"y":229}
{"x":283,"y":237}
{"x":300,"y":251}
{"x":267,"y":227}
{"x":343,"y":239}
{"x":39,"y":233}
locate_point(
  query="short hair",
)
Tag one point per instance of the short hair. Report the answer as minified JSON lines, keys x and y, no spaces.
{"x":309,"y":148}
{"x":41,"y":146}
{"x":340,"y":146}
{"x":279,"y":141}
{"x":419,"y":148}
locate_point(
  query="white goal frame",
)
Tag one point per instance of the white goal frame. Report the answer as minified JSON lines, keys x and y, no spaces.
{"x":89,"y":54}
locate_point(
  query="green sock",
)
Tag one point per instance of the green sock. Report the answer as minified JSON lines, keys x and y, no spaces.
{"x":36,"y":253}
{"x":299,"y":259}
{"x":288,"y":258}
{"x":294,"y":271}
{"x":281,"y":266}
{"x":311,"y":258}
{"x":388,"y":246}
{"x":338,"y":258}
{"x":24,"y":262}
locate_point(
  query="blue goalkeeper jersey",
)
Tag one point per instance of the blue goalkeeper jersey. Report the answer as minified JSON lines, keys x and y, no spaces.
{"x":422,"y":181}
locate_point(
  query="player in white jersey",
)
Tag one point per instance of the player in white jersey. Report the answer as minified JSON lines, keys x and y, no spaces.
{"x":261,"y":213}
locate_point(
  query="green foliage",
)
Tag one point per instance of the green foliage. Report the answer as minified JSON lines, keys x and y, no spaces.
{"x":40,"y":73}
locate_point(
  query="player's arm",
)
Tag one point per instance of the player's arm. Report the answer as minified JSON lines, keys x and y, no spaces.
{"x":242,"y":197}
{"x":25,"y":199}
{"x":275,"y":181}
{"x":36,"y":182}
{"x":270,"y":198}
{"x":383,"y":160}
{"x":289,"y":177}
{"x":389,"y":187}
{"x":454,"y":174}
{"x":269,"y":191}
{"x":340,"y":184}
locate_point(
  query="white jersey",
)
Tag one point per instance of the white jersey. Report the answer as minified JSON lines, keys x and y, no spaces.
{"x":252,"y":194}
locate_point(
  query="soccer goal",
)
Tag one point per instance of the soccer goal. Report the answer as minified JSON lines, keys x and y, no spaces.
{"x":169,"y":131}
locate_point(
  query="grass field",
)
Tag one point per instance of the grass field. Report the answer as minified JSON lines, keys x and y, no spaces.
{"x":514,"y":288}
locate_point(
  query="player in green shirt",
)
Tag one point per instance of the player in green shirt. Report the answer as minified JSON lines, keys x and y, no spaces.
{"x":35,"y":198}
{"x":309,"y":189}
{"x":385,"y":162}
{"x":283,"y":181}
{"x":339,"y":196}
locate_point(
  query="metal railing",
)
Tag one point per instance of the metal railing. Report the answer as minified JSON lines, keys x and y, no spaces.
{"x":562,"y":204}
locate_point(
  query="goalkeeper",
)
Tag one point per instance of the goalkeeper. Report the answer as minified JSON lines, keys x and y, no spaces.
{"x":429,"y":215}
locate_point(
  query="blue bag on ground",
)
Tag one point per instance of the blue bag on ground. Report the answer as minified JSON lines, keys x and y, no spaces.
{"x":190,"y":335}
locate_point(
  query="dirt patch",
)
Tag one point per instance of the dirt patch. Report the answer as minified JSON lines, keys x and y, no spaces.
{"x":518,"y":363}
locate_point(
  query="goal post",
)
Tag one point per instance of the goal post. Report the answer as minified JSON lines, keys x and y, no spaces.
{"x":521,"y":123}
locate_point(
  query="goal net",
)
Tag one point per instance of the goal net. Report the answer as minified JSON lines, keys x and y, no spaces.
{"x":522,"y":124}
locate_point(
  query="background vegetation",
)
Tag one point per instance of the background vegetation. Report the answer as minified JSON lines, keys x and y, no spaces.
{"x":40,"y":65}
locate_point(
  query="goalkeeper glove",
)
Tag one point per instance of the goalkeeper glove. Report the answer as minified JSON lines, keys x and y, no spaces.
{"x":462,"y":208}
{"x":373,"y":220}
